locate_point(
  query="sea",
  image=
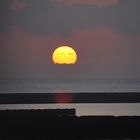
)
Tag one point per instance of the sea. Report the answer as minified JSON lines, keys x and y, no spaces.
{"x":30,"y":86}
{"x":69,"y":85}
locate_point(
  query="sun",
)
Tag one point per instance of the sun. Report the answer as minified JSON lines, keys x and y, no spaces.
{"x":64,"y":55}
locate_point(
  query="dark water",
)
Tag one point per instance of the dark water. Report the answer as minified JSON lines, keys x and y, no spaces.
{"x":75,"y":85}
{"x":68,"y":85}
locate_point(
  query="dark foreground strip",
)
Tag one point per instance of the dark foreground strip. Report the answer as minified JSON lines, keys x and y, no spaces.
{"x":41,"y":98}
{"x":45,"y":125}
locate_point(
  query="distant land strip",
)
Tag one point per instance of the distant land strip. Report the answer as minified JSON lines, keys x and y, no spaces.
{"x":54,"y":98}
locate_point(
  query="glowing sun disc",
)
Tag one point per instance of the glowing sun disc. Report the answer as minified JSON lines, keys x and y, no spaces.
{"x":64,"y":55}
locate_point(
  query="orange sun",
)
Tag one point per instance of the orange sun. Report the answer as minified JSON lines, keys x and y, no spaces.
{"x":64,"y":55}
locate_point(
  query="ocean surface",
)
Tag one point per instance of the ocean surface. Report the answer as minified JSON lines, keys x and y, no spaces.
{"x":69,"y":85}
{"x":75,"y":85}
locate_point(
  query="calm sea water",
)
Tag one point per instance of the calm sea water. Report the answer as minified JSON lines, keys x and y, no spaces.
{"x":69,"y":85}
{"x":74,"y":85}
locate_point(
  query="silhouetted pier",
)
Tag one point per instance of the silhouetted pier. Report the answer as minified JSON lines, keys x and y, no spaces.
{"x":53,"y":124}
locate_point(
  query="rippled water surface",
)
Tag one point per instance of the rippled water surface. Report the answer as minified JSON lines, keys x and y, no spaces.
{"x":68,"y":85}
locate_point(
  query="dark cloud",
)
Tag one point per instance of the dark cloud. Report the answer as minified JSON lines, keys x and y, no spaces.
{"x":124,"y":16}
{"x":48,"y":17}
{"x":5,"y":15}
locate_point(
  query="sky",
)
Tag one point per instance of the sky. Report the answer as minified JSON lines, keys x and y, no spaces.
{"x":104,"y":33}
